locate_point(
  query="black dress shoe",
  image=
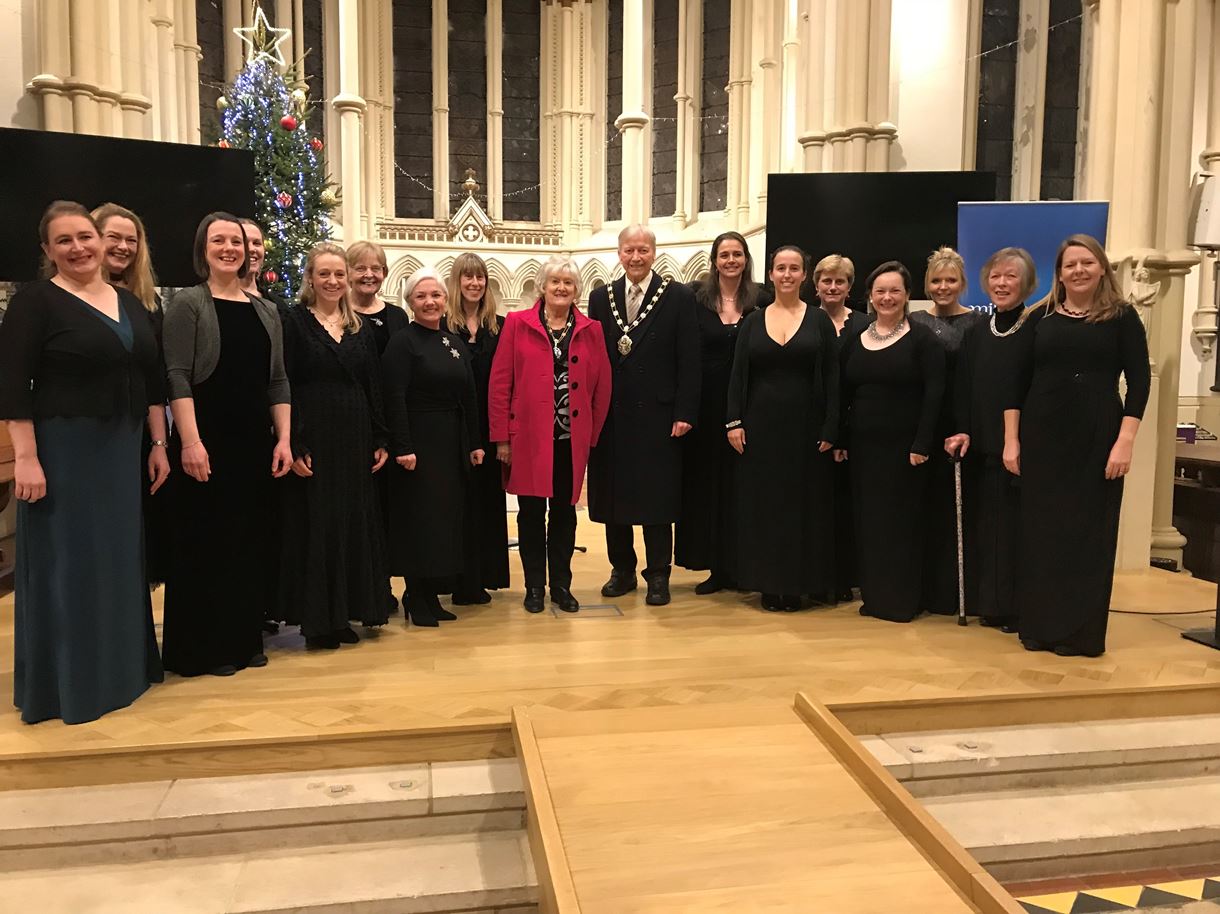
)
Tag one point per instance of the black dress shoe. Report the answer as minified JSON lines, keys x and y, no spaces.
{"x":711,"y":585}
{"x":471,"y":598}
{"x":533,"y":599}
{"x":562,"y":597}
{"x":658,"y":589}
{"x":347,"y":636}
{"x":1031,"y":645}
{"x":227,"y":670}
{"x":322,"y":643}
{"x":1010,"y":628}
{"x":772,"y":602}
{"x":620,"y":583}
{"x":258,"y":660}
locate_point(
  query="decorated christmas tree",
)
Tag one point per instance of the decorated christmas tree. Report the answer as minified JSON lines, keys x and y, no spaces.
{"x":293,"y":194}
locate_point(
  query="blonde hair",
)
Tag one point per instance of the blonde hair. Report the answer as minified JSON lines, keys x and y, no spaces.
{"x":835,"y":263}
{"x":1029,"y":272}
{"x":359,"y":249}
{"x":138,"y":277}
{"x":351,"y":320}
{"x":1108,"y":301}
{"x":470,"y":265}
{"x":944,"y":258}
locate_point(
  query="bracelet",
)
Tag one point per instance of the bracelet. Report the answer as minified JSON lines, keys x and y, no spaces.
{"x":736,"y":423}
{"x":193,"y":443}
{"x":157,"y":442}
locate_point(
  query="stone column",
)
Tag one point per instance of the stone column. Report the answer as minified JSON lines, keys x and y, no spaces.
{"x":349,"y":106}
{"x":633,"y":122}
{"x":298,"y":44}
{"x":440,"y":109}
{"x":791,"y":70}
{"x":82,"y":84}
{"x":740,"y":82}
{"x":377,"y":88}
{"x":1207,"y":317}
{"x":859,"y":23}
{"x":1101,"y":107}
{"x":690,"y":101}
{"x":133,"y":98}
{"x":550,"y":48}
{"x":231,"y":18}
{"x":189,"y":71}
{"x":813,"y":131}
{"x":767,"y":138}
{"x":54,"y":65}
{"x":1030,"y":101}
{"x":165,"y":90}
{"x":877,"y":115}
{"x":494,"y":41}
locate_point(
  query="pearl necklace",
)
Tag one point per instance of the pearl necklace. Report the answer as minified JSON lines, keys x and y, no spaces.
{"x":996,"y":333}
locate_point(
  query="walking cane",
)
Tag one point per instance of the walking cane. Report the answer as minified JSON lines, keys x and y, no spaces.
{"x":961,"y":565}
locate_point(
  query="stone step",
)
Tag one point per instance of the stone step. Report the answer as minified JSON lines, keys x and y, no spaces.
{"x":474,"y":874}
{"x":83,"y":826}
{"x":938,"y":763}
{"x":1046,"y":832}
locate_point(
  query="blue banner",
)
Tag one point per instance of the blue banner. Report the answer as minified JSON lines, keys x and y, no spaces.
{"x":984,"y":228}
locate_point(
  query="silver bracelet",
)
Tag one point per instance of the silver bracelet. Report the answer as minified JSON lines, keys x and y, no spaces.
{"x":736,"y":423}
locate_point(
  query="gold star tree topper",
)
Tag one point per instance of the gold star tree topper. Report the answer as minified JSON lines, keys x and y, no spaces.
{"x":262,"y":40}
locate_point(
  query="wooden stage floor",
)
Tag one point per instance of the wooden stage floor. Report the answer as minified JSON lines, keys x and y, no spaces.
{"x":697,"y":650}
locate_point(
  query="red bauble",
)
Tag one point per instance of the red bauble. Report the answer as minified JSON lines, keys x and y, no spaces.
{"x":288,"y":122}
{"x":223,"y":144}
{"x":271,"y":277}
{"x":283,"y":199}
{"x":316,"y":144}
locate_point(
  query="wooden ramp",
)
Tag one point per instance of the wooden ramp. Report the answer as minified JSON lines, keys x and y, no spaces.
{"x":735,"y":808}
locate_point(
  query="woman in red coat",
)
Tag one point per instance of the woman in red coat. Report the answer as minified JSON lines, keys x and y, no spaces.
{"x":548,"y":397}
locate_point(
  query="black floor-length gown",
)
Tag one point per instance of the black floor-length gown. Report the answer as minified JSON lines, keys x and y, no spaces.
{"x":156,"y":508}
{"x":787,"y":398}
{"x":432,"y":412}
{"x":705,"y":537}
{"x":846,"y":572}
{"x":940,"y":510}
{"x":334,"y":568}
{"x":988,"y":363}
{"x":217,"y":586}
{"x":487,"y":554}
{"x":892,"y":399}
{"x":1070,"y":419}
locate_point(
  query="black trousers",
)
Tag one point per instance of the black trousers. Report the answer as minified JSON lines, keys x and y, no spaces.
{"x":658,"y":548}
{"x":545,"y":538}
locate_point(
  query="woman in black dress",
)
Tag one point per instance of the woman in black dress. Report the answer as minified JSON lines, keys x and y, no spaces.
{"x":366,"y":264}
{"x":832,"y":281}
{"x":783,"y":412}
{"x":128,"y":265}
{"x":1070,"y":437}
{"x":79,"y":376}
{"x":472,"y":318}
{"x":433,"y":418}
{"x":949,"y":320}
{"x":987,"y":363}
{"x":227,"y":387}
{"x":334,"y":568}
{"x":706,"y":533}
{"x":893,"y":380}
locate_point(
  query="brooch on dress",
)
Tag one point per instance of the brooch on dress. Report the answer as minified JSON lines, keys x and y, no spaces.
{"x":448,"y":345}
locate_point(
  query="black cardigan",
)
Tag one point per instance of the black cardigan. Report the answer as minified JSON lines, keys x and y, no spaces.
{"x":58,"y":359}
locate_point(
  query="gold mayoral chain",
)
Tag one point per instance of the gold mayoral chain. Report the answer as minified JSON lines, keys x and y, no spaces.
{"x":624,"y":341}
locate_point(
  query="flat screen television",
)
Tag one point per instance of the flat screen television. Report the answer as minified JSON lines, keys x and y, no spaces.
{"x":171,"y":186}
{"x":871,"y":217}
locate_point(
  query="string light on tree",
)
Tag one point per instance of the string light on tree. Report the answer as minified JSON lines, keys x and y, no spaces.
{"x":293,"y":195}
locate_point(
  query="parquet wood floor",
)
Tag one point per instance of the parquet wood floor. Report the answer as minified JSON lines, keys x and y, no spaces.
{"x":698,"y":650}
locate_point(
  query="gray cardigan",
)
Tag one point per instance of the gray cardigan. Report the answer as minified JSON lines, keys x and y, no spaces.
{"x":191,"y":339}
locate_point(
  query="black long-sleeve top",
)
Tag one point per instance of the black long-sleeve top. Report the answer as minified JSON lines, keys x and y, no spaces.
{"x":426,"y":371}
{"x":987,"y":368}
{"x":897,"y":386}
{"x":1060,"y":350}
{"x":58,"y":358}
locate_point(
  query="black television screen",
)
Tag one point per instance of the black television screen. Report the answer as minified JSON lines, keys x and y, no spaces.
{"x":871,"y":217}
{"x":171,"y":186}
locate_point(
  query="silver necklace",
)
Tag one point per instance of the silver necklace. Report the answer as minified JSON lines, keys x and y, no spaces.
{"x":557,"y":340}
{"x":882,"y":337}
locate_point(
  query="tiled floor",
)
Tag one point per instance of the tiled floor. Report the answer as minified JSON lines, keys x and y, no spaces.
{"x":1192,"y":890}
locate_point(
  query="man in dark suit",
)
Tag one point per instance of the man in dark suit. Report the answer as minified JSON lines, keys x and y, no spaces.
{"x":635,"y":472}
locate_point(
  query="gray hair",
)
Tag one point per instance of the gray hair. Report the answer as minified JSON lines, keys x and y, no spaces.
{"x":555,"y":265}
{"x":419,"y":276}
{"x":1029,"y":271}
{"x":636,"y":228}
